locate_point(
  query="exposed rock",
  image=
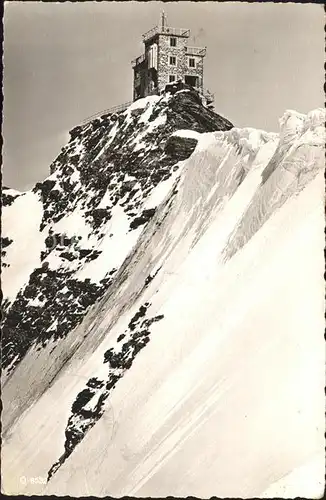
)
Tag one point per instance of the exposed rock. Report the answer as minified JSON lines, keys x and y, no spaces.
{"x":180,"y":147}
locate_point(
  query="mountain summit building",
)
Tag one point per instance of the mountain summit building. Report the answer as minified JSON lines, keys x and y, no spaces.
{"x":168,"y":59}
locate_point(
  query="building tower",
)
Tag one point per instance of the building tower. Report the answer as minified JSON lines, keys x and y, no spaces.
{"x":167,"y":59}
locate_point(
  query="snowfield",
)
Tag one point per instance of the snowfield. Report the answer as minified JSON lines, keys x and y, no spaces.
{"x":198,"y":368}
{"x":21,"y":225}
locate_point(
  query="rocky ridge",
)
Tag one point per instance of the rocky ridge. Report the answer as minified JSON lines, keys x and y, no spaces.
{"x":107,"y":171}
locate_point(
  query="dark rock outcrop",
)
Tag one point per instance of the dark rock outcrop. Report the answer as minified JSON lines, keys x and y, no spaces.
{"x":180,"y":147}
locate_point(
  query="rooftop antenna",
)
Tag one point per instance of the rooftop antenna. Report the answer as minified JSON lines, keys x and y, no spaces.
{"x":163,"y":19}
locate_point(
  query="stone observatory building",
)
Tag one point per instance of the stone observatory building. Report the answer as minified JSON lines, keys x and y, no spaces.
{"x":168,"y":59}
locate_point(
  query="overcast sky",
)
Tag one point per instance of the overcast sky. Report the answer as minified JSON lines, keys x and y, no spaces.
{"x":66,"y":61}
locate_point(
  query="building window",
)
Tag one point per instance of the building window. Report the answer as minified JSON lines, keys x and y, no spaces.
{"x":173,"y":61}
{"x":191,"y":62}
{"x":173,"y":41}
{"x":171,"y":78}
{"x":192,"y":80}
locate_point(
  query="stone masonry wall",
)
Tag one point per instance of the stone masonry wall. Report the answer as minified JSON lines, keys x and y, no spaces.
{"x":165,"y":51}
{"x":198,"y":70}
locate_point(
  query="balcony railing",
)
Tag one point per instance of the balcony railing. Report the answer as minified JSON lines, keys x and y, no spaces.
{"x":159,"y":30}
{"x":196,"y":51}
{"x":138,"y":60}
{"x":110,"y":111}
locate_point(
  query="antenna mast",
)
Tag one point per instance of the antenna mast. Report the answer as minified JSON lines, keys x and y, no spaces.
{"x":163,"y":20}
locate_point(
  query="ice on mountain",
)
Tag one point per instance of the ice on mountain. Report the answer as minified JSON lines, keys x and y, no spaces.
{"x":191,"y":134}
{"x":21,"y":223}
{"x":53,"y":325}
{"x":37,"y":302}
{"x":211,"y":259}
{"x":113,"y":250}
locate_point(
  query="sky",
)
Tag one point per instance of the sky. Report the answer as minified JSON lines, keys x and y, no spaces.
{"x":66,"y":61}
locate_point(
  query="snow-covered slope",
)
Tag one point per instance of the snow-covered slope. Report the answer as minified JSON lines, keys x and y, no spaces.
{"x":175,"y":346}
{"x":66,"y":239}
